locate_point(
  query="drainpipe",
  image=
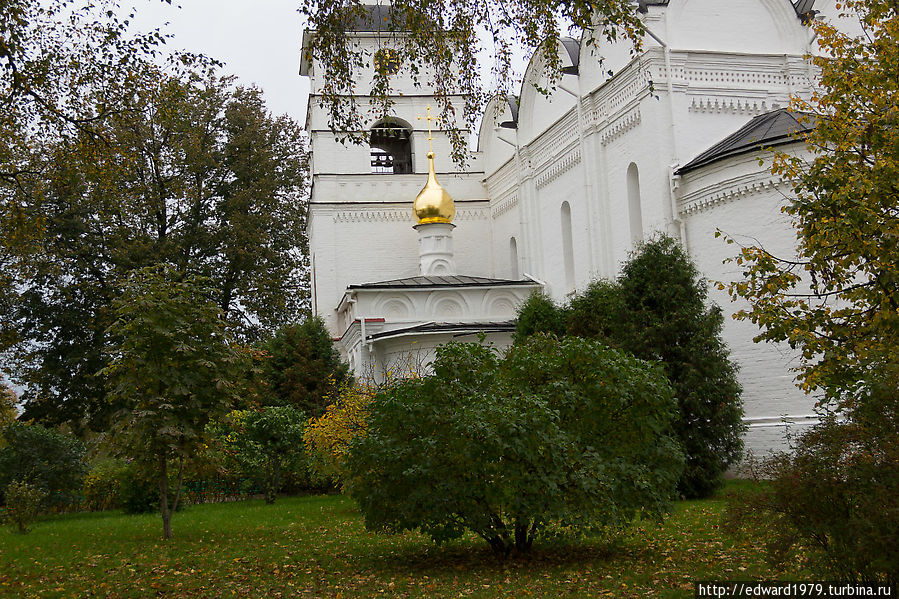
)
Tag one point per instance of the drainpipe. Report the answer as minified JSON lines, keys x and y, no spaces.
{"x":588,"y":187}
{"x":365,"y":343}
{"x":672,"y":208}
{"x":522,"y":257}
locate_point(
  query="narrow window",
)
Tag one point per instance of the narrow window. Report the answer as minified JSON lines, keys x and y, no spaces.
{"x":513,"y":258}
{"x":567,"y":247}
{"x":391,"y":148}
{"x":634,"y":207}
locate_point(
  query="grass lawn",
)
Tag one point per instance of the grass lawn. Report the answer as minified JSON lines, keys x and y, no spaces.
{"x":318,"y":547}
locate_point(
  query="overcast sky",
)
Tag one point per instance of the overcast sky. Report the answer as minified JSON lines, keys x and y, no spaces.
{"x":259,"y":40}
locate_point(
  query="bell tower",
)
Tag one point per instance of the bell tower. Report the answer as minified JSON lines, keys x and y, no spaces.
{"x":360,"y":221}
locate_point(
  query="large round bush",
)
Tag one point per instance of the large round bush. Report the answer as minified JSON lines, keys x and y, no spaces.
{"x":563,"y":432}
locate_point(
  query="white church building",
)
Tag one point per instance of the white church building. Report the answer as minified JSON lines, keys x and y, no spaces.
{"x":561,"y":187}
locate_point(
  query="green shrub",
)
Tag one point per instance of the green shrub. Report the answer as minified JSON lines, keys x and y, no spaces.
{"x":539,"y":314}
{"x":266,"y":445}
{"x":657,"y":311}
{"x":8,"y":411}
{"x":303,"y":368}
{"x":117,"y":484}
{"x":598,"y":313}
{"x":102,"y":488}
{"x":44,"y":458}
{"x":139,"y":490}
{"x":565,"y":433}
{"x":23,"y":504}
{"x":667,"y":318}
{"x":835,"y":499}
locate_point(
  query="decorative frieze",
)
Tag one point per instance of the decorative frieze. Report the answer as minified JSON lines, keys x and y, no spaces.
{"x":730,"y":105}
{"x":505,"y":204}
{"x":371,"y":216}
{"x":725,"y":78}
{"x":557,"y":168}
{"x":550,"y":144}
{"x":368,"y":215}
{"x":636,"y":83}
{"x":621,"y":126}
{"x":472,"y":214}
{"x":712,"y":196}
{"x":502,"y":180}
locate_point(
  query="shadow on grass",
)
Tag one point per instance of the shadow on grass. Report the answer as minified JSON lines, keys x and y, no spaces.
{"x":474,"y":556}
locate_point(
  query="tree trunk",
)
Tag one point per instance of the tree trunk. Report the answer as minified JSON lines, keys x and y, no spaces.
{"x":180,"y":483}
{"x":274,"y":482}
{"x":500,"y":548}
{"x":523,"y":540}
{"x":164,"y":497}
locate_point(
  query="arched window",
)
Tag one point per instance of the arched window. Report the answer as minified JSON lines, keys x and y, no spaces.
{"x":513,"y":257}
{"x":634,"y":207}
{"x":567,"y":247}
{"x":391,"y":148}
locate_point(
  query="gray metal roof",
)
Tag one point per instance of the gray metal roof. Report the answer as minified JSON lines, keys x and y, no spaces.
{"x":642,"y":4}
{"x":805,"y":10}
{"x":446,"y":281}
{"x":459,"y":328}
{"x":766,"y":130}
{"x":373,"y":18}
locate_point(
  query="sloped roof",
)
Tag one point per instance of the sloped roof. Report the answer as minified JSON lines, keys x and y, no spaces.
{"x":805,"y":10}
{"x":442,"y":281}
{"x":373,"y":18}
{"x":766,"y":130}
{"x":460,"y":328}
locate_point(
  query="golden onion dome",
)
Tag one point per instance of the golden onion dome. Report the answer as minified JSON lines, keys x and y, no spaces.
{"x":433,"y":204}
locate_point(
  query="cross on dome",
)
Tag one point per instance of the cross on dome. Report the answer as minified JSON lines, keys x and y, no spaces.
{"x":433,"y":204}
{"x":429,"y":118}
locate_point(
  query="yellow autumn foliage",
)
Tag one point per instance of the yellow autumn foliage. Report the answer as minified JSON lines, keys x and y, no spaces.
{"x":327,"y":438}
{"x":8,"y":410}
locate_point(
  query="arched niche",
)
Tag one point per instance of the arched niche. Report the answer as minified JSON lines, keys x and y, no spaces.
{"x":500,"y":304}
{"x":567,"y":246}
{"x":440,"y":267}
{"x":634,"y":203}
{"x":446,"y":304}
{"x":394,"y":308}
{"x":391,"y":147}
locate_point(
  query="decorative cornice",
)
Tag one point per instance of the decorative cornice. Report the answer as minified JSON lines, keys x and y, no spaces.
{"x":558,"y":167}
{"x":636,"y":82}
{"x":364,"y":215}
{"x":400,"y":215}
{"x":551,"y":142}
{"x":701,"y":200}
{"x":505,"y":204}
{"x":720,"y":76}
{"x":729,"y":104}
{"x":506,"y":177}
{"x":621,"y":126}
{"x":786,"y":420}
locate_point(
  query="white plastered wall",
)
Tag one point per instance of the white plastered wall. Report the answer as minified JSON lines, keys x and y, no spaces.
{"x":743,"y":200}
